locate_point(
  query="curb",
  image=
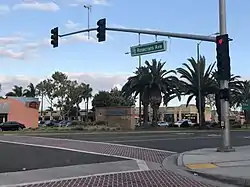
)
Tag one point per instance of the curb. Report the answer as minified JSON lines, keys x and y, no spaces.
{"x":222,"y":178}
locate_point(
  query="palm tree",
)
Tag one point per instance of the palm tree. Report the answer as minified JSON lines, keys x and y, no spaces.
{"x":161,"y":83}
{"x":139,"y":84}
{"x":151,"y":81}
{"x":17,"y":91}
{"x":189,"y":82}
{"x":30,"y":91}
{"x":243,"y":98}
{"x":87,"y":95}
{"x":235,"y":87}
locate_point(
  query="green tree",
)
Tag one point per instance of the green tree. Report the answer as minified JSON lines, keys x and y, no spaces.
{"x":111,"y":99}
{"x":40,"y":88}
{"x":87,"y":95}
{"x":161,"y":82}
{"x":17,"y":91}
{"x":102,"y":99}
{"x":190,"y":80}
{"x":235,"y":87}
{"x":60,"y":83}
{"x":151,"y":81}
{"x":30,"y":91}
{"x":139,"y":84}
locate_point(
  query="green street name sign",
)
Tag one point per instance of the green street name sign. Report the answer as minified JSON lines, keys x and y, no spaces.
{"x":246,"y":106}
{"x":148,"y":48}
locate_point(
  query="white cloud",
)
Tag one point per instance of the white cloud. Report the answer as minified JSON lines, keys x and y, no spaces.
{"x":71,"y":25}
{"x":4,"y":9}
{"x":98,"y":81}
{"x":9,"y":53}
{"x":10,"y":40}
{"x":92,"y":2}
{"x":32,"y":5}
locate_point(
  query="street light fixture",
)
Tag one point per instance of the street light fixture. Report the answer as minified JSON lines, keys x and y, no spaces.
{"x":89,"y":10}
{"x":199,"y":77}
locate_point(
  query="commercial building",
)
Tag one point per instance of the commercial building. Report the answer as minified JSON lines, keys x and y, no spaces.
{"x":24,"y":110}
{"x":173,"y":114}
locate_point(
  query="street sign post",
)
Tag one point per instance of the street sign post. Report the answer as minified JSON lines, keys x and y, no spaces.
{"x":246,"y":106}
{"x":148,"y":48}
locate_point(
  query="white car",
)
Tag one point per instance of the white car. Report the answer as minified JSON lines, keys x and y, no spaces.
{"x":162,"y":124}
{"x":179,"y":123}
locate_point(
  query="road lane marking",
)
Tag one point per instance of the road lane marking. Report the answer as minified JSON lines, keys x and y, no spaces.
{"x":201,"y":166}
{"x":184,"y":133}
{"x":161,"y":139}
{"x":214,"y":135}
{"x":105,"y":143}
{"x":142,"y":165}
{"x":65,"y":149}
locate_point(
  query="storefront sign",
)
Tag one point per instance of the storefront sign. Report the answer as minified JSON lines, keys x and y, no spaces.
{"x":33,"y":104}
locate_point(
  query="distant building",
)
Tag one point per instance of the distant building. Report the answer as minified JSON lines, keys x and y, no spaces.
{"x":173,"y":114}
{"x":21,"y":109}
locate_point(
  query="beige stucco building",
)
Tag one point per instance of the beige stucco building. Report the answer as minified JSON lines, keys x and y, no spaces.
{"x":173,"y":114}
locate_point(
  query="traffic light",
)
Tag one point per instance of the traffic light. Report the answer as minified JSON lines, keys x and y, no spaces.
{"x":223,"y":59}
{"x":101,"y":30}
{"x":54,"y":37}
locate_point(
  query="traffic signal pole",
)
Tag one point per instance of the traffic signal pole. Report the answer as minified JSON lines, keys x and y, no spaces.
{"x":226,"y":147}
{"x":149,"y":32}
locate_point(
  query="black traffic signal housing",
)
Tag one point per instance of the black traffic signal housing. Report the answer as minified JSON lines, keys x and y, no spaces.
{"x":54,"y":37}
{"x":225,"y":94}
{"x":101,"y":30}
{"x":223,"y":58}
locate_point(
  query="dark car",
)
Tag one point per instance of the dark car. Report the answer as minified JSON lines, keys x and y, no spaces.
{"x":11,"y":125}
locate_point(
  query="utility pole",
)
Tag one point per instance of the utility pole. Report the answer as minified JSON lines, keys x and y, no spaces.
{"x":89,"y":10}
{"x":199,"y":77}
{"x":199,"y":81}
{"x":224,"y":85}
{"x":139,"y":41}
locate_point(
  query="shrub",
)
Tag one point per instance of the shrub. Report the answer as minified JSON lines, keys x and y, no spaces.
{"x":100,"y":123}
{"x":80,"y":123}
{"x":78,"y":128}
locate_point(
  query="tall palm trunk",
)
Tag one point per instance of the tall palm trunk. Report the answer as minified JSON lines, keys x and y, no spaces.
{"x":42,"y":107}
{"x":202,"y":112}
{"x":145,"y":113}
{"x":218,"y":106}
{"x":87,"y":108}
{"x":155,"y":108}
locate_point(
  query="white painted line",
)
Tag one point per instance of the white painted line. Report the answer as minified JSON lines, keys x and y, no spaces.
{"x":69,"y":178}
{"x":247,"y":137}
{"x":214,"y":135}
{"x":163,"y":139}
{"x":65,"y":149}
{"x":184,"y":133}
{"x":105,"y":143}
{"x":142,"y":165}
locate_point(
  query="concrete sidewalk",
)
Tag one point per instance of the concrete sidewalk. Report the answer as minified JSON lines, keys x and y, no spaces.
{"x":230,"y":167}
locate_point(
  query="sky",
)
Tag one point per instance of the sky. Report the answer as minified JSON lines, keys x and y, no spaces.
{"x":27,"y":56}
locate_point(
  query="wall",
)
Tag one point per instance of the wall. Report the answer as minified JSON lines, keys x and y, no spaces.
{"x":20,"y":112}
{"x":123,"y":117}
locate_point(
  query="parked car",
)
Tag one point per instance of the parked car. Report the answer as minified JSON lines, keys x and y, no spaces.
{"x":64,"y":123}
{"x":162,"y":124}
{"x":184,"y":123}
{"x":11,"y":125}
{"x":50,"y":123}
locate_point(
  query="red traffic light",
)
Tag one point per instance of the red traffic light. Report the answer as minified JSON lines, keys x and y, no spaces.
{"x":220,"y":41}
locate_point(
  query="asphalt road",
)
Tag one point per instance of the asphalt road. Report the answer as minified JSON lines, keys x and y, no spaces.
{"x":21,"y":157}
{"x":177,"y":142}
